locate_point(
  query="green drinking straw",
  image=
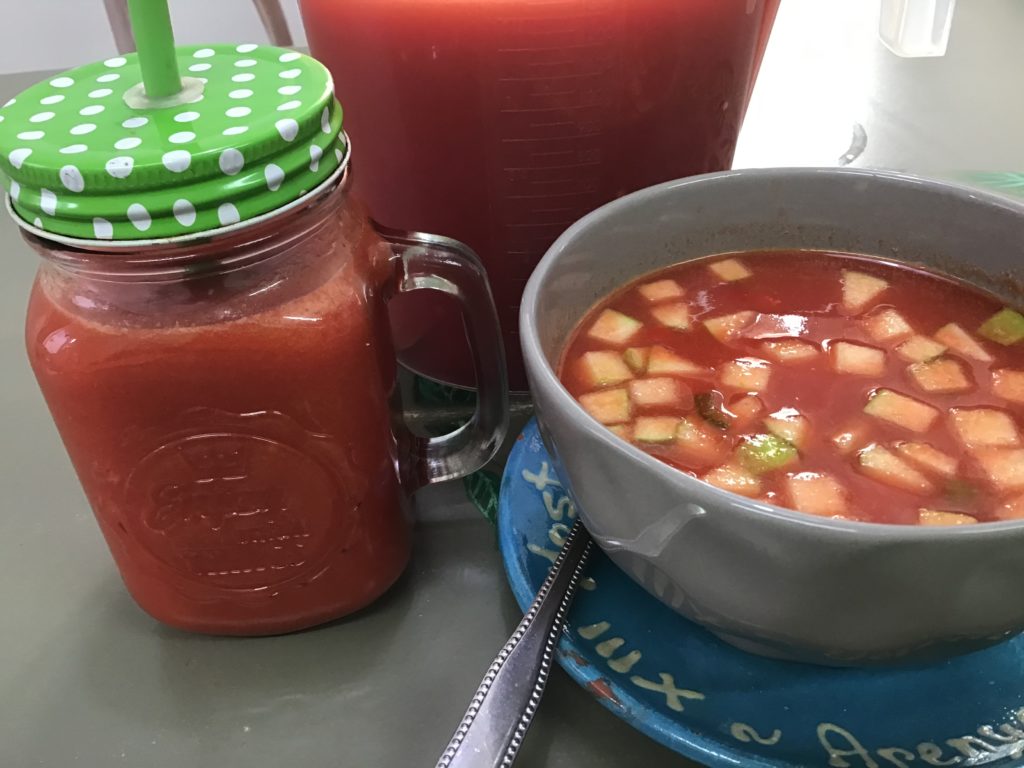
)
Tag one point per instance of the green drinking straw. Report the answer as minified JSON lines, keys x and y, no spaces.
{"x":154,"y":42}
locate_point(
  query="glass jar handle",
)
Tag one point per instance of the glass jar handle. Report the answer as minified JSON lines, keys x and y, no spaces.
{"x":432,"y":262}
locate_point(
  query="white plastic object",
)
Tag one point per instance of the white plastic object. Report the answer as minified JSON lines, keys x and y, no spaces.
{"x":916,"y":28}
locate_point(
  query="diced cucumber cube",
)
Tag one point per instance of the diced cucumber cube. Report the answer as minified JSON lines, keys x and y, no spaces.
{"x":790,"y":351}
{"x":735,"y":479}
{"x":1013,"y":509}
{"x":860,"y":289}
{"x":982,"y":427}
{"x":1004,"y":467}
{"x":730,"y":270}
{"x":942,"y":375}
{"x":901,"y":410}
{"x":959,"y":340}
{"x":636,"y":358}
{"x":699,"y":443}
{"x":655,"y":429}
{"x":609,"y":407}
{"x":728,"y":327}
{"x":789,"y":425}
{"x":1009,"y":385}
{"x":614,"y":327}
{"x":747,"y":373}
{"x":856,"y":359}
{"x":625,"y":431}
{"x":816,"y":494}
{"x":928,"y":458}
{"x":602,"y":368}
{"x":663,"y":362}
{"x":675,"y":315}
{"x":937,"y":517}
{"x":665,"y":391}
{"x":880,"y":464}
{"x":1005,"y":327}
{"x":764,"y":453}
{"x":887,"y":325}
{"x":918,"y":349}
{"x":747,"y":408}
{"x":661,"y":290}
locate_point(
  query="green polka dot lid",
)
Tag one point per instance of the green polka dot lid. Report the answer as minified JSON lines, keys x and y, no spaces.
{"x":87,"y":155}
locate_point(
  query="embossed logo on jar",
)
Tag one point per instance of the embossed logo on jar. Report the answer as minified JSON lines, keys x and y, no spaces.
{"x":234,"y":510}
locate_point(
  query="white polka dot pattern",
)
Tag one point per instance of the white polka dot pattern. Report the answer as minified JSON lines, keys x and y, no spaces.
{"x":260,"y":130}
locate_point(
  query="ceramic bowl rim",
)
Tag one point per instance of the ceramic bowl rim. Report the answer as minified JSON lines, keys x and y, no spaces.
{"x":544,"y":376}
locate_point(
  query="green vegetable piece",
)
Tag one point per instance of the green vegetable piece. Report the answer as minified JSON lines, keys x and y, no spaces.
{"x":764,"y":453}
{"x":711,"y":410}
{"x":1005,"y":327}
{"x":960,"y":491}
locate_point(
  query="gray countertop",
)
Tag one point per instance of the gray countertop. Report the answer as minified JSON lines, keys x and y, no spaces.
{"x":86,"y":679}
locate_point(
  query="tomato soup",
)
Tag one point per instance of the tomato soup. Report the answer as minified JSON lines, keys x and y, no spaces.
{"x":837,"y":385}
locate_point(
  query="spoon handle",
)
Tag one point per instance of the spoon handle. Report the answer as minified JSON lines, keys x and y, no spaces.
{"x":500,"y":713}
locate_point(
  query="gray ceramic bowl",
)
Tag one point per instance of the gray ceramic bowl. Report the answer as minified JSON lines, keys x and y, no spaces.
{"x":766,"y":579}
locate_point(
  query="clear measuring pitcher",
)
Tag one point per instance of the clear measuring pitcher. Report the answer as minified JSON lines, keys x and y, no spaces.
{"x":500,"y":122}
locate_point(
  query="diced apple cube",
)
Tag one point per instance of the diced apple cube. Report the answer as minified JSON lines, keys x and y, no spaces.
{"x":983,"y":427}
{"x":1009,"y":385}
{"x":661,"y":290}
{"x":918,"y":349}
{"x":665,"y":391}
{"x":880,"y":464}
{"x":790,"y":351}
{"x":1004,"y":467}
{"x":788,"y":424}
{"x":730,"y":270}
{"x":663,"y":362}
{"x":728,"y":327}
{"x":614,"y":327}
{"x":747,"y":373}
{"x":856,"y":359}
{"x":937,"y":517}
{"x":736,"y":479}
{"x":860,"y":289}
{"x":851,"y":438}
{"x":746,"y":409}
{"x":602,"y":368}
{"x":1005,"y":327}
{"x":625,"y":431}
{"x":887,"y":325}
{"x":928,"y":458}
{"x":816,"y":494}
{"x":1012,"y":509}
{"x":941,"y":375}
{"x":655,"y":429}
{"x":609,"y":407}
{"x":675,"y":315}
{"x":957,"y":339}
{"x":698,"y":443}
{"x":901,"y":410}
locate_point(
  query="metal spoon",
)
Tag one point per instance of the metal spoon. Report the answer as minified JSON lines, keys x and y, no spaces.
{"x":500,"y":713}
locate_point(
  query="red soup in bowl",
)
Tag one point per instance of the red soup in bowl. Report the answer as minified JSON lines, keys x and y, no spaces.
{"x":833,"y":384}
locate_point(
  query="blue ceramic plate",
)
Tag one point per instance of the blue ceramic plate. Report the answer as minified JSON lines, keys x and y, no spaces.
{"x":675,"y":682}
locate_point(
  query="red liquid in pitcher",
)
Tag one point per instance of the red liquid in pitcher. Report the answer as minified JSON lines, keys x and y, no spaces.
{"x":241,"y":465}
{"x":500,"y":122}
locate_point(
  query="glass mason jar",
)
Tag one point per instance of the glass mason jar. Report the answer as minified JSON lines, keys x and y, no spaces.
{"x":501,"y":122}
{"x":229,"y":399}
{"x":227,"y":406}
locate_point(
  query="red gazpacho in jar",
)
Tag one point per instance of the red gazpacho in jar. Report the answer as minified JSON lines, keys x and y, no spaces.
{"x":834,"y":384}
